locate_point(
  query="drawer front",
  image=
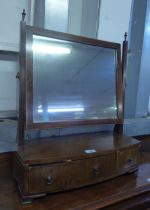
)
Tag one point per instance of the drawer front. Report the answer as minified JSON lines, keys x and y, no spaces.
{"x":90,"y":171}
{"x":128,"y":159}
{"x":47,"y":178}
{"x":72,"y":174}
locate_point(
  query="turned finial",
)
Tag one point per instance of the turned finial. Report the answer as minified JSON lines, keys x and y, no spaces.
{"x":23,"y":15}
{"x":125,"y":36}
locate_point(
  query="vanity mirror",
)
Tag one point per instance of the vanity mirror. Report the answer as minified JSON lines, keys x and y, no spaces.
{"x":71,"y":80}
{"x":68,"y":80}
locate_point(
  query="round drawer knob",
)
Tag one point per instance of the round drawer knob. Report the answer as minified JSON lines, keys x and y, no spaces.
{"x":96,"y":171}
{"x":129,"y":160}
{"x":49,"y":180}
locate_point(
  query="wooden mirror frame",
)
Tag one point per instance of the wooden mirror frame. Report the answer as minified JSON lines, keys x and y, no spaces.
{"x":26,"y":97}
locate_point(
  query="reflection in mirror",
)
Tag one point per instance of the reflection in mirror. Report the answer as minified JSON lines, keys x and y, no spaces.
{"x":72,"y":81}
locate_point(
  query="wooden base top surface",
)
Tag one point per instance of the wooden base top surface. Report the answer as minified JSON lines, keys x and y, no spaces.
{"x":90,"y":198}
{"x":63,"y":148}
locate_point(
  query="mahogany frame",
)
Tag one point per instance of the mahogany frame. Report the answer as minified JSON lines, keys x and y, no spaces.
{"x":26,"y":97}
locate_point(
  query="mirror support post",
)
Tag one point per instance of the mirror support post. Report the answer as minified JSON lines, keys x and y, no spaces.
{"x":119,"y":127}
{"x":21,"y":121}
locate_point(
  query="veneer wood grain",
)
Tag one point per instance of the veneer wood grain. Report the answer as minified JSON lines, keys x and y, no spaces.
{"x":126,"y":192}
{"x":64,"y":163}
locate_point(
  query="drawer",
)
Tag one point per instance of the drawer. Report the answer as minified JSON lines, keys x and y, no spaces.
{"x":72,"y":174}
{"x":128,"y":159}
{"x":47,"y":178}
{"x":90,"y":171}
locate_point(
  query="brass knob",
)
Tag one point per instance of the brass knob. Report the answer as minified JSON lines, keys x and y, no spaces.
{"x":96,"y":171}
{"x":129,"y":160}
{"x":49,"y":180}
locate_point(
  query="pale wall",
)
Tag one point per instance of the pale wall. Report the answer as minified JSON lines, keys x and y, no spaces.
{"x":10,"y":16}
{"x":114,"y":19}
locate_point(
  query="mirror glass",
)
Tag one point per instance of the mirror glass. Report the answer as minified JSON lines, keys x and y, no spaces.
{"x":72,"y":81}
